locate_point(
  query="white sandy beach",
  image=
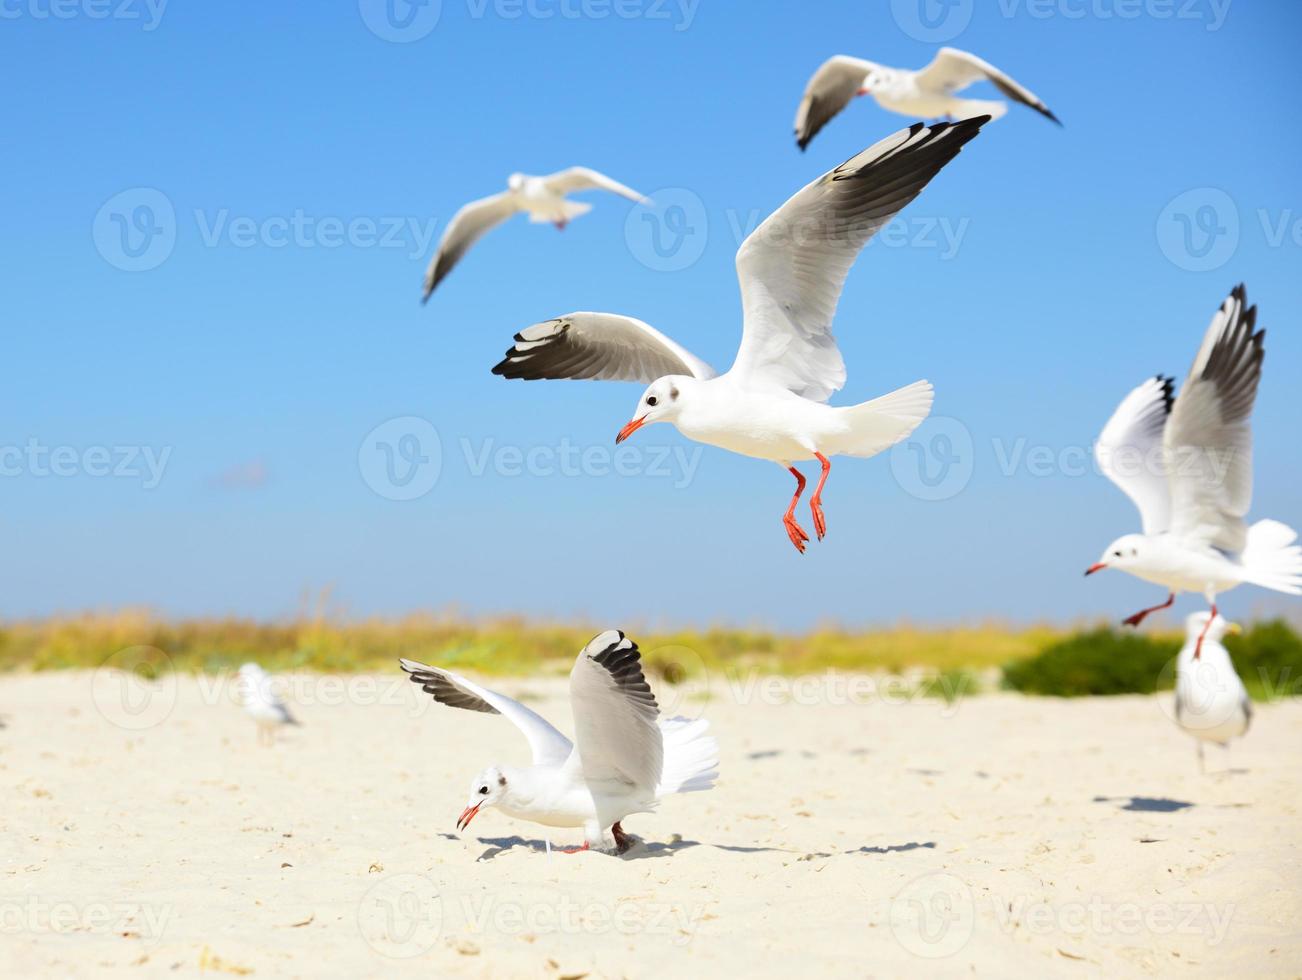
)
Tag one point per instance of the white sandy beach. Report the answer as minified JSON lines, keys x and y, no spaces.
{"x":998,"y":835}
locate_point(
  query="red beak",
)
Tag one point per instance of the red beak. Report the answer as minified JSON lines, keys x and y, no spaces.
{"x":467,"y":815}
{"x":1095,"y":568}
{"x":863,"y":91}
{"x":629,"y":429}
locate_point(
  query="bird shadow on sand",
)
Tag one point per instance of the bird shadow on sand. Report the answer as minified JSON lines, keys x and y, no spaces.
{"x":912,"y":845}
{"x":640,"y":851}
{"x":1145,"y":804}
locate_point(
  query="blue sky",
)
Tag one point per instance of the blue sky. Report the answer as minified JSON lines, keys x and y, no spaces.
{"x":292,"y":166}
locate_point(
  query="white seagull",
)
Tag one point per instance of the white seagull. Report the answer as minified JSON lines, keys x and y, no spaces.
{"x":1211,"y":703}
{"x":542,"y":198}
{"x":771,"y":404}
{"x":928,"y":93}
{"x":261,"y":701}
{"x":1186,"y":463}
{"x":624,"y":759}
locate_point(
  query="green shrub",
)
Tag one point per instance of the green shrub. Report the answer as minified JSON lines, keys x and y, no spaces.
{"x":1268,"y":656}
{"x":1102,"y":661}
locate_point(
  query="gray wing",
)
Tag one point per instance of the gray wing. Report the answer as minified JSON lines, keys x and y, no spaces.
{"x":827,"y":93}
{"x":600,"y":347}
{"x":586,"y":179}
{"x":1129,"y":451}
{"x":793,"y":267}
{"x":952,"y":70}
{"x":549,"y":746}
{"x":1208,"y":441}
{"x":467,"y":226}
{"x":617,"y":737}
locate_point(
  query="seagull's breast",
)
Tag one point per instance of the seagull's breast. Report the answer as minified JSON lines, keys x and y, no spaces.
{"x":769,"y":424}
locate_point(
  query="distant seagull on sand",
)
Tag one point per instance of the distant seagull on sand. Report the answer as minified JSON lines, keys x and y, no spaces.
{"x":542,"y":198}
{"x":928,"y":93}
{"x":792,"y":268}
{"x":624,"y":760}
{"x":262,"y":703}
{"x":1211,"y":703}
{"x":1187,"y":464}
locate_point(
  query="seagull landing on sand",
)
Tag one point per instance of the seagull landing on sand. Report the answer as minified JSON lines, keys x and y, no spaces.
{"x":262,"y":703}
{"x":624,"y":759}
{"x":771,"y":404}
{"x":1211,"y":703}
{"x":542,"y":198}
{"x":928,"y":93}
{"x":1187,"y":464}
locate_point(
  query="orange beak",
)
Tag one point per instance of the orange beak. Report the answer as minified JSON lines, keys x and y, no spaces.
{"x":1095,"y":568}
{"x":629,"y":429}
{"x":467,"y":815}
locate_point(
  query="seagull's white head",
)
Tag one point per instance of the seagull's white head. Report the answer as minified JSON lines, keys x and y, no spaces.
{"x":873,"y":81}
{"x":1128,"y":552}
{"x":662,"y":402}
{"x":1195,"y":623}
{"x":516,"y":182}
{"x":488,"y":789}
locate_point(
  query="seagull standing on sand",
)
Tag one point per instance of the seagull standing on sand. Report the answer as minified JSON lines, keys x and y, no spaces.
{"x":1211,"y":703}
{"x":624,"y":759}
{"x":772,"y":403}
{"x":263,"y":704}
{"x":542,"y":198}
{"x":928,"y":92}
{"x":1187,"y":464}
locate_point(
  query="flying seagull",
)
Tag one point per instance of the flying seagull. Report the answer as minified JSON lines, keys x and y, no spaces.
{"x":261,"y":701}
{"x":542,"y":198}
{"x":771,"y":403}
{"x":1186,"y":463}
{"x":928,"y":93}
{"x":1211,"y":703}
{"x":624,"y":758}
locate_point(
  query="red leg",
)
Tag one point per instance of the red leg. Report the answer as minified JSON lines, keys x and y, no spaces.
{"x":1198,"y":650}
{"x":560,"y":225}
{"x":574,"y":850}
{"x":622,"y":843}
{"x":1138,"y":618}
{"x":794,"y":531}
{"x":816,"y":501}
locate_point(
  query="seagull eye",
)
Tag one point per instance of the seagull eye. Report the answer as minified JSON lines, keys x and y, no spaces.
{"x":651,"y":400}
{"x":483,"y":791}
{"x":1117,"y":554}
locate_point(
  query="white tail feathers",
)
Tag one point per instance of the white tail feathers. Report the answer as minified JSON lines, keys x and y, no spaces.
{"x":691,"y":756}
{"x":570,"y":209}
{"x":1272,"y":559}
{"x":881,"y":423}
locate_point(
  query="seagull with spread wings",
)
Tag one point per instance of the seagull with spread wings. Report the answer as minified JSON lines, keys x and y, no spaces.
{"x":1186,"y":463}
{"x":928,"y":92}
{"x":542,"y":198}
{"x":772,"y":403}
{"x":625,"y":758}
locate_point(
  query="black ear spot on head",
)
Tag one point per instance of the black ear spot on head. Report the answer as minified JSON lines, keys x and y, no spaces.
{"x":501,"y":780}
{"x":673,"y":392}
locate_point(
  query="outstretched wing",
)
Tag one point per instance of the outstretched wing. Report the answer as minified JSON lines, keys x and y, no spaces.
{"x":467,"y":226}
{"x":827,"y":93}
{"x":793,"y":266}
{"x":615,"y":715}
{"x":952,"y":70}
{"x":587,"y":179}
{"x":1209,"y":435}
{"x":1129,"y":451}
{"x":597,"y":346}
{"x":549,"y":746}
